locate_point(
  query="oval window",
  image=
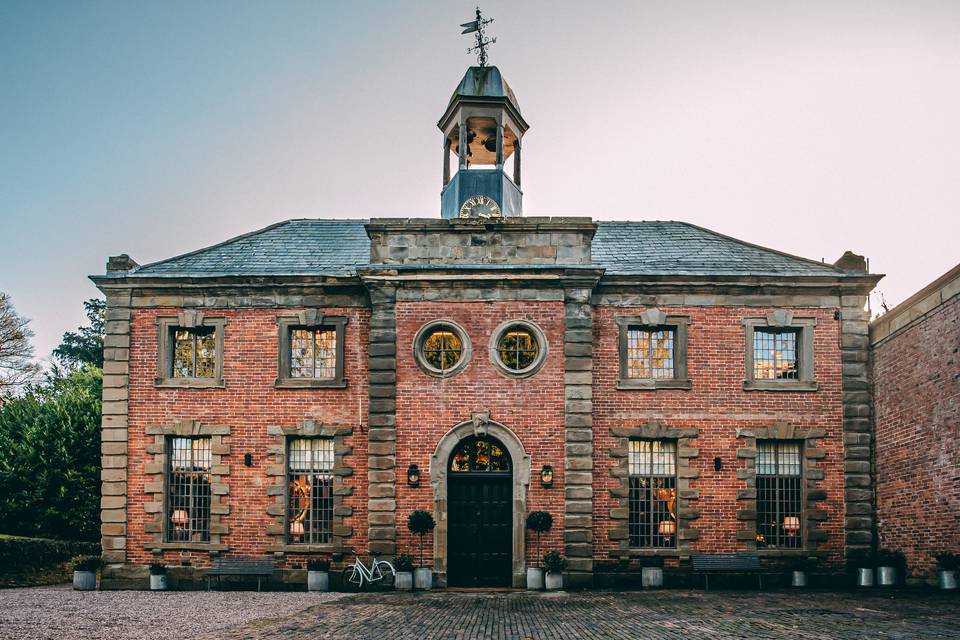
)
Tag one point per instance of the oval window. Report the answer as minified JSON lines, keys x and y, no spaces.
{"x":441,"y":348}
{"x":518,"y":348}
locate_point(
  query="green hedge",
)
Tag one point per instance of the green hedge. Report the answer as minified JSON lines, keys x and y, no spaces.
{"x":39,"y":560}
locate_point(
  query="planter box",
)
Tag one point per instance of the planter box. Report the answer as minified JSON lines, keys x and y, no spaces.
{"x":318,"y":581}
{"x":947,"y":580}
{"x":84,"y":580}
{"x":423,"y":578}
{"x":534,"y":579}
{"x":553,"y":581}
{"x":404,"y":580}
{"x":651,"y":577}
{"x":158,"y":582}
{"x":886,"y":576}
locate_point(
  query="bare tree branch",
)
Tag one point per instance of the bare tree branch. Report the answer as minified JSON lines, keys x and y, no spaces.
{"x":17,"y":367}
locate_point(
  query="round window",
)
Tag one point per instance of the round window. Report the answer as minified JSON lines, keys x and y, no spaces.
{"x":441,"y":348}
{"x":518,"y":348}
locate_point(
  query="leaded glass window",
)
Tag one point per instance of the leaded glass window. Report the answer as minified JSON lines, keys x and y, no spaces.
{"x":518,"y":348}
{"x":188,"y":497}
{"x":775,"y":354}
{"x":442,"y":348}
{"x":650,"y":352}
{"x":194,"y":352}
{"x":480,"y":455}
{"x":652,"y":469}
{"x":310,"y":491}
{"x":313,"y":352}
{"x":779,"y":513}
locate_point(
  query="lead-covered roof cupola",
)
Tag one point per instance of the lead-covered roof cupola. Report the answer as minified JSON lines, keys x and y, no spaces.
{"x":482,"y":128}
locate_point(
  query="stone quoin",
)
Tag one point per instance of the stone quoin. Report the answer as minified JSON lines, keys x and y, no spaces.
{"x":266,"y":397}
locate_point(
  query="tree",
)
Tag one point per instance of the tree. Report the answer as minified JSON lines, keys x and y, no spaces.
{"x":17,"y":368}
{"x":50,"y":459}
{"x":84,"y":346}
{"x":421,"y":522}
{"x":539,"y":522}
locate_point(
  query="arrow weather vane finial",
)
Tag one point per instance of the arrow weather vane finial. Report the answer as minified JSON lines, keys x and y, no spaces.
{"x":477,"y":26}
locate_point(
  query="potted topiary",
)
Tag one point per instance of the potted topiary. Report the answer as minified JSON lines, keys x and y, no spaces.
{"x":799,"y":568}
{"x":554,"y":564}
{"x":539,"y":522}
{"x":85,"y":573}
{"x":421,"y":522}
{"x":861,"y":561}
{"x":403,"y":564}
{"x":949,"y":567}
{"x":318,"y":575}
{"x":651,"y":572}
{"x":889,"y":565}
{"x":158,"y":577}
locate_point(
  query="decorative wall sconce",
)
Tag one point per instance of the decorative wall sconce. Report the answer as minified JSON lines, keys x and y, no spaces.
{"x":248,"y":460}
{"x":546,"y":476}
{"x":717,"y":464}
{"x":413,"y":476}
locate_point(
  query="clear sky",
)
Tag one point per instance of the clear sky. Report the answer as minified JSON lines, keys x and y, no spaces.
{"x":155,"y":128}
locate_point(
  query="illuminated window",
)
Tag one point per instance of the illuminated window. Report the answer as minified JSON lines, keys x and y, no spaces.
{"x":650,"y":352}
{"x":188,"y":490}
{"x":311,"y":355}
{"x":775,"y":354}
{"x":480,"y":455}
{"x":441,"y":348}
{"x":194,"y":352}
{"x":779,"y":495}
{"x":518,"y":348}
{"x":310,"y":490}
{"x":652,"y":496}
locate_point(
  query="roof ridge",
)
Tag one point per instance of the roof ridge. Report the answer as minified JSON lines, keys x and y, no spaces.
{"x":213,"y":246}
{"x":763,"y":248}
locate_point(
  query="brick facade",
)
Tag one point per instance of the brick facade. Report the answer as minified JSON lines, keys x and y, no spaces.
{"x":916,"y":373}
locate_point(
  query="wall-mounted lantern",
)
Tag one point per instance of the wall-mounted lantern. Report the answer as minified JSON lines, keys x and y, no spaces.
{"x":248,"y":459}
{"x":413,"y":476}
{"x":717,"y":464}
{"x":546,"y":476}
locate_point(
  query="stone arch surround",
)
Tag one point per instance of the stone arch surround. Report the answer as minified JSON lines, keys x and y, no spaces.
{"x":480,"y":425}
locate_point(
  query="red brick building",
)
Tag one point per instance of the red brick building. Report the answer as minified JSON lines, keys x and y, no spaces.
{"x":660,"y":389}
{"x":915,"y":350}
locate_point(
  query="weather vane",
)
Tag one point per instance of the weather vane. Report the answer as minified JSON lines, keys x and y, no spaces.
{"x":477,"y":26}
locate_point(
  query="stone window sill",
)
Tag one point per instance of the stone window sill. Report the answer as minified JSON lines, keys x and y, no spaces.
{"x":782,"y":553}
{"x":780,"y":385}
{"x":190,"y":383}
{"x":630,"y":384}
{"x":309,"y":383}
{"x":186,"y":546}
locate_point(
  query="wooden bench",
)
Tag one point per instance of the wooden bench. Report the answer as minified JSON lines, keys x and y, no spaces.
{"x":726,"y":563}
{"x":259,"y":567}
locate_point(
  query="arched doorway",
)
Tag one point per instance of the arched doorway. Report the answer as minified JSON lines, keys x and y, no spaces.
{"x":480,"y":426}
{"x":480,"y":514}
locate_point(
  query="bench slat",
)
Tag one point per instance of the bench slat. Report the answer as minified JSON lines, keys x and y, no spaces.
{"x":241,"y":567}
{"x":726,"y":562}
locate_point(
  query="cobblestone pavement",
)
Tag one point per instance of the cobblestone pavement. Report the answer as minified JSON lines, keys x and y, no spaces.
{"x":60,"y":613}
{"x":633,"y":615}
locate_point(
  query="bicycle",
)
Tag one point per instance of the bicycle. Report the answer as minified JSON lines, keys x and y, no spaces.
{"x":357,"y":574}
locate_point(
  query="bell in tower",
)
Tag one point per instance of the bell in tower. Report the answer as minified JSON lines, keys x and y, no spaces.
{"x":482,"y":128}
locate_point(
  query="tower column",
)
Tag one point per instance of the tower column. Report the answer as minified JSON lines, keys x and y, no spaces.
{"x":446,"y":161}
{"x":499,"y":145}
{"x":516,"y":162}
{"x":463,"y":145}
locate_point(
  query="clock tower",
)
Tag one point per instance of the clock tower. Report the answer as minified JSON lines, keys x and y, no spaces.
{"x":482,"y":128}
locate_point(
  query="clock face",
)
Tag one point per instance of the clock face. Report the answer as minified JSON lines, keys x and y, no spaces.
{"x":480,"y":207}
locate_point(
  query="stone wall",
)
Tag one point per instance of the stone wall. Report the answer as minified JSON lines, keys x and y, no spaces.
{"x":916,"y":377}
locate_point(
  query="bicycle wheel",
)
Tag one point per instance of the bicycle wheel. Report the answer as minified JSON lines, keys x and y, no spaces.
{"x":384,"y":575}
{"x":351,"y":579}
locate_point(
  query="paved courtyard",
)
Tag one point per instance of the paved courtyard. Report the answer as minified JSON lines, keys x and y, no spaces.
{"x":59,"y":613}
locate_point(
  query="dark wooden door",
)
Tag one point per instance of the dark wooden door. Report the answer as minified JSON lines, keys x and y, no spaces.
{"x":480,"y":530}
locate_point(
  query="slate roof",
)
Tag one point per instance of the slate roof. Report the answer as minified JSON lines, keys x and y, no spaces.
{"x":323,"y":247}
